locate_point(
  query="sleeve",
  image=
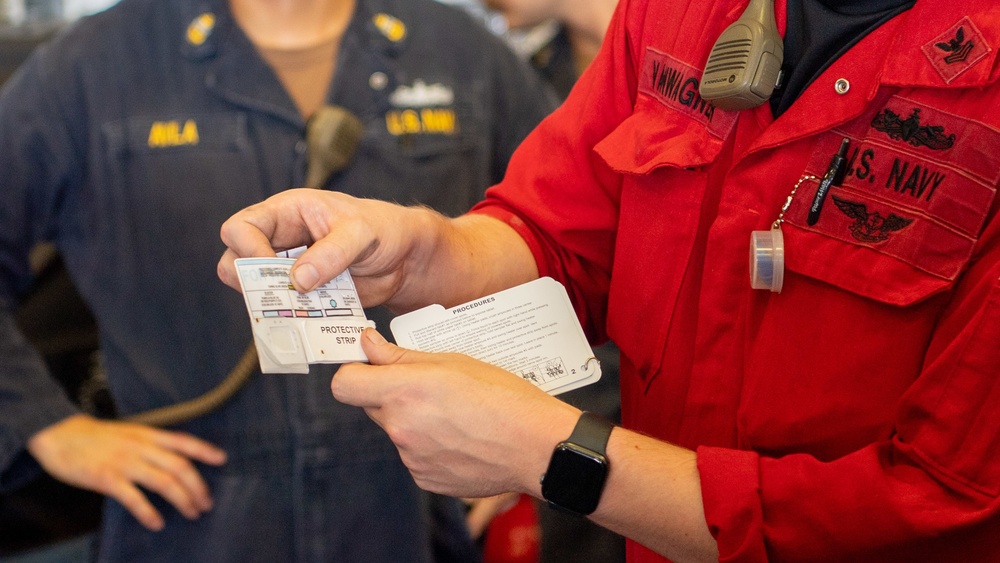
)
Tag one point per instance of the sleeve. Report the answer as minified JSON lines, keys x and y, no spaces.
{"x":559,"y":195}
{"x":929,"y":493}
{"x":36,"y":163}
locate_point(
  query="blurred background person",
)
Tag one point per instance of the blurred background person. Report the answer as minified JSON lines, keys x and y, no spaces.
{"x":47,"y":520}
{"x":559,"y":37}
{"x":124,"y":144}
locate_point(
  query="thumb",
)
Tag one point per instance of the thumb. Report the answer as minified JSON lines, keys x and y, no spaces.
{"x":380,"y":351}
{"x":356,"y":383}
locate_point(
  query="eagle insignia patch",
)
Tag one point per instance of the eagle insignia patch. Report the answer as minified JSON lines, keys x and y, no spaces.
{"x":870,"y":226}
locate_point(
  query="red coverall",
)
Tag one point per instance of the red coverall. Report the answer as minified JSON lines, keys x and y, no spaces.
{"x":855,"y":415}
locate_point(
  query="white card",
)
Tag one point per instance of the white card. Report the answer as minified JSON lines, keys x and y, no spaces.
{"x":530,"y":330}
{"x":292,"y":330}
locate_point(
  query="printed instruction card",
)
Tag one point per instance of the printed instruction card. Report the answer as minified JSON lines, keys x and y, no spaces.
{"x":530,"y":330}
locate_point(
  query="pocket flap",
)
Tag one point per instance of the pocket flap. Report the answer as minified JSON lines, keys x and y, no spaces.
{"x":671,"y":124}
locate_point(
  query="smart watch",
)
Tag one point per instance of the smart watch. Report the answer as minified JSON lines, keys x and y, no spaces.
{"x":579,"y":467}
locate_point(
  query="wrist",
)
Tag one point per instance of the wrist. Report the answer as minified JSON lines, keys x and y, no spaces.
{"x":46,"y":439}
{"x":551,"y":429}
{"x":579,"y":467}
{"x":425,"y":272}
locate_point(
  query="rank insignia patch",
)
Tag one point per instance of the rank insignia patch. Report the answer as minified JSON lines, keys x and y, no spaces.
{"x":956,"y":50}
{"x":391,"y":27}
{"x":200,"y":28}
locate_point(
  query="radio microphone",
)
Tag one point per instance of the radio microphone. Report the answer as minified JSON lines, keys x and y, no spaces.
{"x":332,"y":137}
{"x":744,"y":65}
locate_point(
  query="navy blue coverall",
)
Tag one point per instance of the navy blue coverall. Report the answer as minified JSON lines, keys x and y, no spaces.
{"x":126,"y":142}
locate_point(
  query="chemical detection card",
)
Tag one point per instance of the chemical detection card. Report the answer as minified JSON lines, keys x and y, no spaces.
{"x":530,"y":330}
{"x":292,"y":330}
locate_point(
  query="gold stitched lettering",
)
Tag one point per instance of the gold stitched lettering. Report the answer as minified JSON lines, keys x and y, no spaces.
{"x":172,"y":134}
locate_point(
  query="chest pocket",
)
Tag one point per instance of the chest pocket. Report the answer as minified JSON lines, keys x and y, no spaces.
{"x":663,"y":155}
{"x":905,"y":222}
{"x":177,"y":177}
{"x":172,"y":152}
{"x":438,"y":156}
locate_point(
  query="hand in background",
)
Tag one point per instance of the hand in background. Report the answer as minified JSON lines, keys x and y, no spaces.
{"x":116,"y":458}
{"x":482,"y":511}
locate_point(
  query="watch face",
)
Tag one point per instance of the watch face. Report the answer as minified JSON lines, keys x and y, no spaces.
{"x":575,"y":478}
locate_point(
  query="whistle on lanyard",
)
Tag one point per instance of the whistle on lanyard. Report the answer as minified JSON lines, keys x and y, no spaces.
{"x":767,"y":248}
{"x":767,"y":259}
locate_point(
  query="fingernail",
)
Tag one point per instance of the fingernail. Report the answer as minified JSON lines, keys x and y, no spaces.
{"x":374,"y":336}
{"x":305,"y":276}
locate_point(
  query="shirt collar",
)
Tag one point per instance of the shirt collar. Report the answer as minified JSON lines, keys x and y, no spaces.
{"x":385,"y":24}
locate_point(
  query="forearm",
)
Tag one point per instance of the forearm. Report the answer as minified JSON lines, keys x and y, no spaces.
{"x":30,"y":399}
{"x":402,"y":257}
{"x":653,"y":496}
{"x":466,"y":428}
{"x":461,"y":259}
